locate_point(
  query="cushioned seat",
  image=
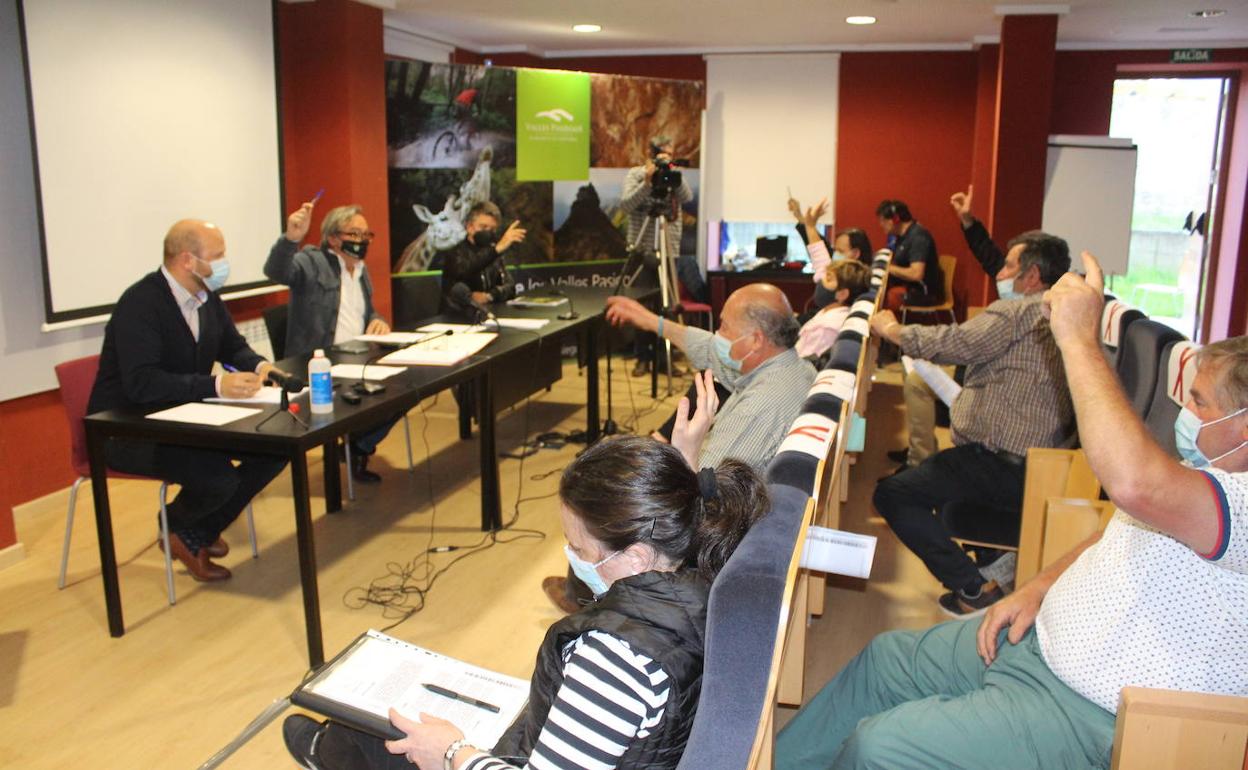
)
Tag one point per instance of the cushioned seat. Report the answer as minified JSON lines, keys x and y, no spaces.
{"x":1116,"y":318}
{"x":1139,"y":358}
{"x":1175,"y":373}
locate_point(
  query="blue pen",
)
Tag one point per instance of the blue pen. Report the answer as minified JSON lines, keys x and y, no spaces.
{"x":229,"y":368}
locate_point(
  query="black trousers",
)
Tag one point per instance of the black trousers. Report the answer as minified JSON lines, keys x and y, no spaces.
{"x":972,"y":474}
{"x":345,"y":748}
{"x":213,"y":490}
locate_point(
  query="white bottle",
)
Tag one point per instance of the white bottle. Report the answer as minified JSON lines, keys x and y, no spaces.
{"x":322,"y":386}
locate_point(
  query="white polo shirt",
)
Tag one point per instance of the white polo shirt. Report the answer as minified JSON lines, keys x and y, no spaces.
{"x":1140,"y":608}
{"x":351,"y":319}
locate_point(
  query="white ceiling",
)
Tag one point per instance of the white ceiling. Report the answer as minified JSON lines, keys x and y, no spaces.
{"x":543,"y":27}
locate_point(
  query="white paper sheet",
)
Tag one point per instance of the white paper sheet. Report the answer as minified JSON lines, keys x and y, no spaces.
{"x":203,"y":414}
{"x":444,"y":351}
{"x":529,"y":324}
{"x":356,"y":371}
{"x":268,"y":394}
{"x":838,"y":552}
{"x":393,"y":338}
{"x":537,"y":301}
{"x":453,"y":328}
{"x":383,"y":672}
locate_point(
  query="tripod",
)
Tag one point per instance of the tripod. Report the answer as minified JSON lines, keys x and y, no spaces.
{"x":669,"y":293}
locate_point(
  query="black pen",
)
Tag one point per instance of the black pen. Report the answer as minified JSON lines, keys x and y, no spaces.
{"x":433,"y":688}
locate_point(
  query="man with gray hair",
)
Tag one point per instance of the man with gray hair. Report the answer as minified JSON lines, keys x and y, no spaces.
{"x":331,"y":298}
{"x":752,"y":355}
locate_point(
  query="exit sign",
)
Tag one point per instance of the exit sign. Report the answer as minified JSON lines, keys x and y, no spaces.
{"x":1191,"y":55}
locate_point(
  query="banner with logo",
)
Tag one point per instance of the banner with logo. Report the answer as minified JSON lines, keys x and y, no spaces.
{"x":552,"y":125}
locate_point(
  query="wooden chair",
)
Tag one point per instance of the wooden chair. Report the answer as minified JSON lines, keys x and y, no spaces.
{"x":1172,"y":730}
{"x":948,"y":264}
{"x":1051,"y":473}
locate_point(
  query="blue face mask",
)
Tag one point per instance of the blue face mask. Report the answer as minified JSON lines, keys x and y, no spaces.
{"x":837,"y":256}
{"x":1005,"y":289}
{"x":1187,"y":428}
{"x":723,"y":349}
{"x":220,"y":273}
{"x":587,"y":572}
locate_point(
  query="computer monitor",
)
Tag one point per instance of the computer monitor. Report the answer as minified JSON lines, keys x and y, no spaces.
{"x":772,"y":247}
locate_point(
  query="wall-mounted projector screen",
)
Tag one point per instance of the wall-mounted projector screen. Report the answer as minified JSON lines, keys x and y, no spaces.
{"x":144,"y":112}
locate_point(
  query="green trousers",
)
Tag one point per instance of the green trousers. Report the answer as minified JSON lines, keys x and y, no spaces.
{"x":924,"y":699}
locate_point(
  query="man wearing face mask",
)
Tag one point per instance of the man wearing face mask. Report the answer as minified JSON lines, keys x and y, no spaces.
{"x":1014,"y":397}
{"x":476,"y":263}
{"x":160,"y":344}
{"x":1156,"y":600}
{"x":331,"y":298}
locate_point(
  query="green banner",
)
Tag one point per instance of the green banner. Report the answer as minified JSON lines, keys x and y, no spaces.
{"x":552,"y":125}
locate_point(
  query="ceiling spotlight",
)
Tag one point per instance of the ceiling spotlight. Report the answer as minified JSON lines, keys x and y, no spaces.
{"x":586,"y":28}
{"x":1211,"y":13}
{"x":860,"y":20}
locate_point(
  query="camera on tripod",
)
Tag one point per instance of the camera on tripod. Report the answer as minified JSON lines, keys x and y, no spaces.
{"x":666,"y":178}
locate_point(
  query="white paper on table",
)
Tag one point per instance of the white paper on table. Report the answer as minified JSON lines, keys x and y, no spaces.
{"x":838,"y":552}
{"x":944,"y":386}
{"x":444,"y":351}
{"x":383,"y":673}
{"x":393,"y":338}
{"x":907,"y":364}
{"x":529,"y":324}
{"x":452,"y":328}
{"x":204,"y":414}
{"x":268,"y":394}
{"x":357,"y":371}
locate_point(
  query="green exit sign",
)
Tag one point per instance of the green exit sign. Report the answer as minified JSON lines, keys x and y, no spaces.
{"x":1191,"y":55}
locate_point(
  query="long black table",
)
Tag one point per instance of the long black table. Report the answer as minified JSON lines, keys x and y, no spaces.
{"x":282,"y":436}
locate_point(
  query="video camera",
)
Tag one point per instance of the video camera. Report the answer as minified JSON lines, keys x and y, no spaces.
{"x":665,"y":178}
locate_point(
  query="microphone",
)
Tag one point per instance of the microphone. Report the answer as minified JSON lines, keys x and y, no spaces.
{"x":571,"y":314}
{"x":287,"y":382}
{"x":462,"y":297}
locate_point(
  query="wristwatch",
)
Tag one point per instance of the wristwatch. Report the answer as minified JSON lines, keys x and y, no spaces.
{"x":448,"y":759}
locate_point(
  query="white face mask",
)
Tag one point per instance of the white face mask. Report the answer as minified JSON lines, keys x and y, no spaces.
{"x":1187,"y":429}
{"x":1005,"y":289}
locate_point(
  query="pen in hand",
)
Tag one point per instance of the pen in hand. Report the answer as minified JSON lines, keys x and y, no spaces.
{"x":433,"y":688}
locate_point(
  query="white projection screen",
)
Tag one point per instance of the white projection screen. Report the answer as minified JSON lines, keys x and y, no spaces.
{"x":144,"y":112}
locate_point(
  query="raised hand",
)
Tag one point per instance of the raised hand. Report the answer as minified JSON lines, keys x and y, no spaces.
{"x":623,"y":310}
{"x":689,"y":432}
{"x":815,"y":212}
{"x":795,"y":209}
{"x":297,"y":223}
{"x":514,"y":234}
{"x":1073,"y":306}
{"x":961,"y":203}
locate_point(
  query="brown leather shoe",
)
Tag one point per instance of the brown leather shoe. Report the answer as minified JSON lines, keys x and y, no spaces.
{"x":199,"y":565}
{"x":218,"y":549}
{"x":556,"y":587}
{"x":641,"y":368}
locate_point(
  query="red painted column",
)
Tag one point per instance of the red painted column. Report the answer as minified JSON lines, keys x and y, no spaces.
{"x":1227,"y":310}
{"x":982,"y":155}
{"x":1024,"y":104}
{"x":333,"y":92}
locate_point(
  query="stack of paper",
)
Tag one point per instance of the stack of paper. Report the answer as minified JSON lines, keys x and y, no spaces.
{"x":945,"y":387}
{"x":444,"y":351}
{"x":393,"y":338}
{"x":357,"y":371}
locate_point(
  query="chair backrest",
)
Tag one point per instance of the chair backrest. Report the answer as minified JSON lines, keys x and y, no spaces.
{"x":275,"y":320}
{"x":1175,"y":372}
{"x":76,"y":379}
{"x":1050,"y":473}
{"x":1116,"y":317}
{"x":1172,"y":730}
{"x":1139,"y":356}
{"x":948,"y":264}
{"x":744,"y":618}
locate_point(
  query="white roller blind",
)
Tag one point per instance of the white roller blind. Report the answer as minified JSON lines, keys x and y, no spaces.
{"x":1089,"y":195}
{"x":770,"y":125}
{"x":146,"y":112}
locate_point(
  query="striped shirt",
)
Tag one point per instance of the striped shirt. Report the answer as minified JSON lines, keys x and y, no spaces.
{"x":756,"y":417}
{"x":1014,"y":396}
{"x":609,"y":696}
{"x":635,"y":199}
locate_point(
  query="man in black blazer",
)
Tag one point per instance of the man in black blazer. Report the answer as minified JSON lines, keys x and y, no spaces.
{"x":160,"y":345}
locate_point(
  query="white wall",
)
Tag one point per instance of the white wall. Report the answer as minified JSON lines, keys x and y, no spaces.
{"x":26,"y":354}
{"x":770,"y":126}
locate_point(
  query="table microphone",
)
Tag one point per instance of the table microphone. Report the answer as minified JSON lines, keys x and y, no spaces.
{"x":287,"y":382}
{"x":571,"y":314}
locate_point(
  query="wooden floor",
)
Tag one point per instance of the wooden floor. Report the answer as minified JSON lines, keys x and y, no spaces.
{"x":186,"y":679}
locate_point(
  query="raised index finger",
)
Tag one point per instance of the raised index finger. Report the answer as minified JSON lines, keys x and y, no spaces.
{"x":1092,"y":272}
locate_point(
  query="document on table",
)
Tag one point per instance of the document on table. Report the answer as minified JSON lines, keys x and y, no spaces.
{"x":444,"y":351}
{"x":268,"y":394}
{"x":393,"y":338}
{"x":378,"y":672}
{"x":529,"y":324}
{"x":837,"y":552}
{"x":944,"y":386}
{"x":204,"y":414}
{"x":357,"y":371}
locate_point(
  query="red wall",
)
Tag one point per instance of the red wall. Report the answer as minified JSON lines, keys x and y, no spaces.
{"x":906,"y":130}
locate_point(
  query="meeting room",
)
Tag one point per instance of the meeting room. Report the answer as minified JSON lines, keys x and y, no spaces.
{"x":853,"y":384}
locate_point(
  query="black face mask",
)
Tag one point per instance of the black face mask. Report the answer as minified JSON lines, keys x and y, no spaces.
{"x":483,"y":238}
{"x":356,"y":249}
{"x":823,"y":297}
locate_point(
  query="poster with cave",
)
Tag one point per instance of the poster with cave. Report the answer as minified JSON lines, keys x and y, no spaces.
{"x":451,"y":134}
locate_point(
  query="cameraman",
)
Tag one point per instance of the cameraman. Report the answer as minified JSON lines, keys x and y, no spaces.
{"x":636,"y":198}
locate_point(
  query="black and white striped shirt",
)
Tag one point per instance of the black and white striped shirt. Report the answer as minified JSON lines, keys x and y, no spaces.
{"x":609,"y":696}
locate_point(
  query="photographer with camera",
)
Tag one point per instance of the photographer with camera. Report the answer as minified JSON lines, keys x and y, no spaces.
{"x":658,"y":185}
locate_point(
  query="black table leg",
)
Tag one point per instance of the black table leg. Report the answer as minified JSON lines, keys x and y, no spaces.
{"x":307,"y":556}
{"x":491,"y":497}
{"x":104,"y":532}
{"x":591,"y":382}
{"x":333,"y":476}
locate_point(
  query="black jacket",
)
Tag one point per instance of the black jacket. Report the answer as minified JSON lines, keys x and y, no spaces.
{"x":480,"y":268}
{"x":661,"y":615}
{"x":986,"y":252}
{"x":151,"y":359}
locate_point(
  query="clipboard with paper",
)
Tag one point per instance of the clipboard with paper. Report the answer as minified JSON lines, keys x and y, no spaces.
{"x":377,"y":672}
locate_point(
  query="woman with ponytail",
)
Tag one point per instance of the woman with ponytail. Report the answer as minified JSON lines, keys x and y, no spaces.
{"x":617,"y":683}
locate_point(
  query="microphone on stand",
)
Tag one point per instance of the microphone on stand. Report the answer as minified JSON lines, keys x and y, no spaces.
{"x":289,"y":383}
{"x":571,"y":314}
{"x":476,"y":312}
